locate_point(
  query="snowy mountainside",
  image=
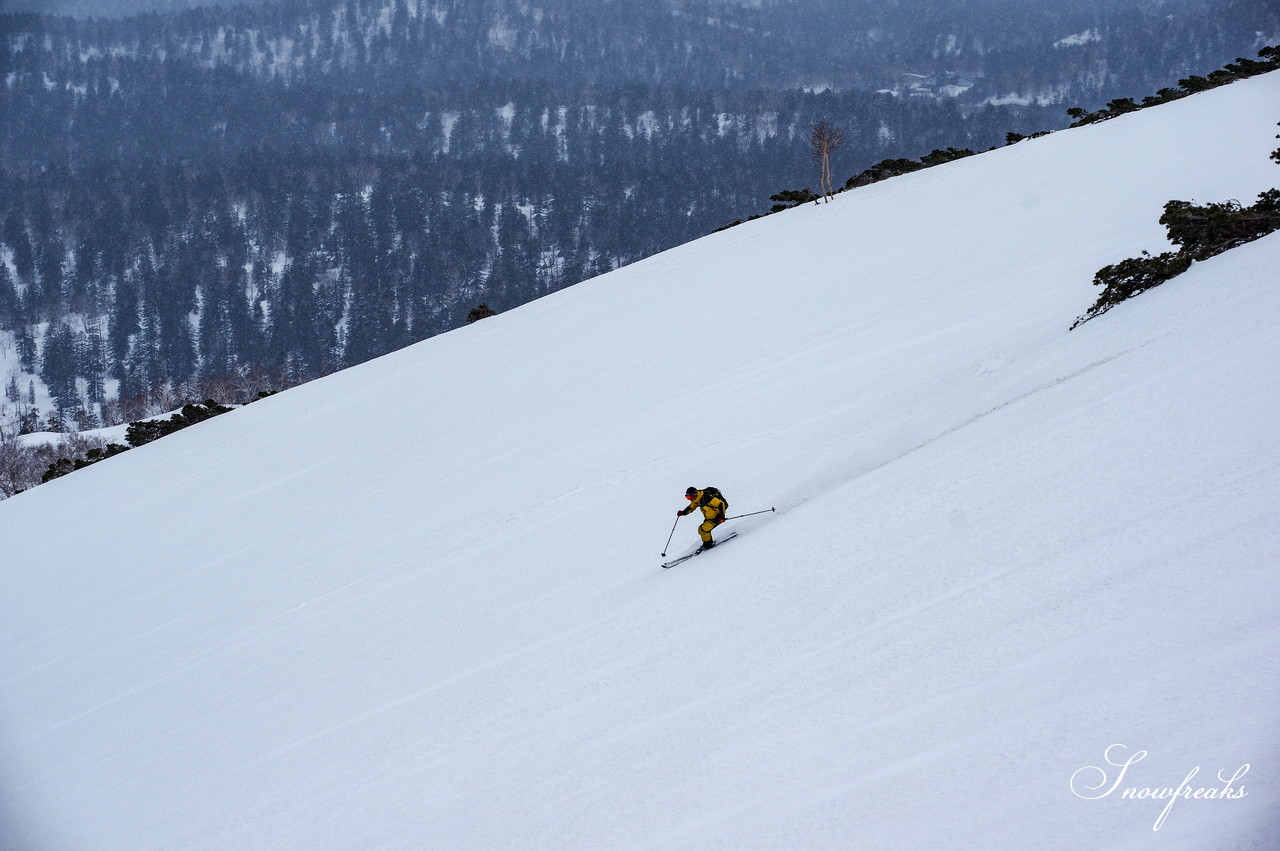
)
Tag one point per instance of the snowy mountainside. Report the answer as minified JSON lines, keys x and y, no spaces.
{"x":1001,"y":549}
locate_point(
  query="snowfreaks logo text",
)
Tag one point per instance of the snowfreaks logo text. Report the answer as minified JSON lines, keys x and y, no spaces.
{"x":1093,"y":782}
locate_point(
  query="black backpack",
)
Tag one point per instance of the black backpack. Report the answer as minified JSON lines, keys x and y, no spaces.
{"x":710,"y":493}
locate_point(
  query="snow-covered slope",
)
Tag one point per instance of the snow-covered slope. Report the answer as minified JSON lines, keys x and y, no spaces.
{"x":418,"y":604}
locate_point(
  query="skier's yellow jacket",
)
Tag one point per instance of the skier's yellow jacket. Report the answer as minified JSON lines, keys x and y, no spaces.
{"x":712,"y":509}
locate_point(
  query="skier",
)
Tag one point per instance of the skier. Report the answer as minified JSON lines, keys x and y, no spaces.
{"x":713,"y":505}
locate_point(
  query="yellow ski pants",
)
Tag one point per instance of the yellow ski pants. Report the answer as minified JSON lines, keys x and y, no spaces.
{"x":707,"y":525}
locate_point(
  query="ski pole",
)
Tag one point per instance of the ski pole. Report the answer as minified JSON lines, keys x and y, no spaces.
{"x":672,"y":535}
{"x":749,"y":514}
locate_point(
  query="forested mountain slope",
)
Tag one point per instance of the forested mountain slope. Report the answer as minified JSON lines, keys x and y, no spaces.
{"x":195,"y":201}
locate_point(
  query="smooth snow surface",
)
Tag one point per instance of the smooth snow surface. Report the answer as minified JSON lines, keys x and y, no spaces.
{"x":418,"y":604}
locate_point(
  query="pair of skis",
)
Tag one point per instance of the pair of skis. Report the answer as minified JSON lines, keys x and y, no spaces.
{"x":699,"y":551}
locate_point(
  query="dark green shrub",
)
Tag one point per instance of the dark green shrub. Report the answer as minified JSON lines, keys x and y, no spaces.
{"x":95,"y":455}
{"x":57,"y":469}
{"x":945,"y":155}
{"x":791,"y":198}
{"x":483,"y":311}
{"x":1129,"y":277}
{"x":1201,"y":231}
{"x":140,"y":433}
{"x":1194,"y":84}
{"x":883,"y":170}
{"x":1163,"y":96}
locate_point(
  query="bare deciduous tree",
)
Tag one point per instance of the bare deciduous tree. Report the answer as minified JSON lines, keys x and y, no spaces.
{"x":18,"y":468}
{"x":250,"y":380}
{"x":22,"y":466}
{"x":825,"y":138}
{"x":112,"y":415}
{"x":166,"y":397}
{"x":219,"y":388}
